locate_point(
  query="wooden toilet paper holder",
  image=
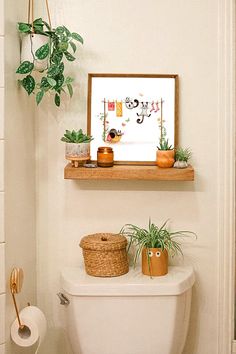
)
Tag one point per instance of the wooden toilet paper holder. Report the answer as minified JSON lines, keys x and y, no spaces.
{"x":16,"y":282}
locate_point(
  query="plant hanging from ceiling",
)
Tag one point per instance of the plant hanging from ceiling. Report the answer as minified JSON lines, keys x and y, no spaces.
{"x":45,"y":52}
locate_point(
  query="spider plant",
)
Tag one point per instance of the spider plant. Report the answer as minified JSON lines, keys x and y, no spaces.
{"x":182,"y":154}
{"x":154,"y":237}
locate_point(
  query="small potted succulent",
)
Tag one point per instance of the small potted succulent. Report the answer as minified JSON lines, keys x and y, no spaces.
{"x":45,"y":49}
{"x":155,"y":244}
{"x":165,"y":156}
{"x":181,"y":157}
{"x":77,"y":148}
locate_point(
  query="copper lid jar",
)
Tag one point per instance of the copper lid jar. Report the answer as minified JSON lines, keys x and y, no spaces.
{"x":105,"y":156}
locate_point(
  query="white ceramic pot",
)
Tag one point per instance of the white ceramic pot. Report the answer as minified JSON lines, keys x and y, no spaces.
{"x":77,"y":153}
{"x":180,"y":164}
{"x":29,"y":44}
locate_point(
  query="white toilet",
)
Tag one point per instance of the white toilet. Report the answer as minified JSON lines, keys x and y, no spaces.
{"x":131,"y":314}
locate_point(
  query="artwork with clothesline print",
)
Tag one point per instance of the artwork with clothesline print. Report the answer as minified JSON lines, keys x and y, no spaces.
{"x":130,"y":114}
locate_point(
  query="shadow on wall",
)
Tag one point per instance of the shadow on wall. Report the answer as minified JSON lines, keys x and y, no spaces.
{"x":55,"y":342}
{"x":193,"y":331}
{"x":170,"y":186}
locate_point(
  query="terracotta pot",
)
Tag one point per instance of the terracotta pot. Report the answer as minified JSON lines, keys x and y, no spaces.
{"x":158,"y":262}
{"x":165,"y":158}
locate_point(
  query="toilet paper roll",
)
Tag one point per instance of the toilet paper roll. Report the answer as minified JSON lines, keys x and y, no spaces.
{"x":35,"y":326}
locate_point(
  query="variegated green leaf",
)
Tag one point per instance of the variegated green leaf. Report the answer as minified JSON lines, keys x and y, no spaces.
{"x":53,"y":70}
{"x":42,"y":52}
{"x":29,"y":84}
{"x":51,"y":81}
{"x":63,"y":46}
{"x":39,"y":96}
{"x":73,"y":46}
{"x":59,"y":81}
{"x":60,"y":30}
{"x":25,"y":67}
{"x":69,"y":56}
{"x":24,"y":27}
{"x":67,"y":31}
{"x":57,"y":100}
{"x":77,"y":37}
{"x":61,"y":67}
{"x":57,"y":57}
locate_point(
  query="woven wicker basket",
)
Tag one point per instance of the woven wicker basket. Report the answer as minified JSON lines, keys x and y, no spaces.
{"x":105,"y":255}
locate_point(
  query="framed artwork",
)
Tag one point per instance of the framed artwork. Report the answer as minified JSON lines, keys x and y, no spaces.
{"x":131,"y":113}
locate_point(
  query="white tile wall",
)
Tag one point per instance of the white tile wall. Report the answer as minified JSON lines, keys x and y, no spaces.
{"x":1,"y":16}
{"x":1,"y":113}
{"x":2,"y":318}
{"x":2,"y":269}
{"x":2,"y":236}
{"x":2,"y":349}
{"x":1,"y":165}
{"x":1,"y":61}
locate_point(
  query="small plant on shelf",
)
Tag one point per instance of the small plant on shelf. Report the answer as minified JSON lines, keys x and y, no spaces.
{"x":155,"y":244}
{"x":46,"y":50}
{"x":76,"y":137}
{"x":165,"y":153}
{"x":77,"y":146}
{"x":181,"y":157}
{"x":164,"y":145}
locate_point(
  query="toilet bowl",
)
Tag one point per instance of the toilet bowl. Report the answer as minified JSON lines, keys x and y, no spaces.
{"x":130,"y":314}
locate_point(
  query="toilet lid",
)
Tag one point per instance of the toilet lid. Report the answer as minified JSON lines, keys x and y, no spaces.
{"x":178,"y":280}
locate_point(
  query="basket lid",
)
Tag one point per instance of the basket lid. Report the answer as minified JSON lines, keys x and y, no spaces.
{"x":103,"y":242}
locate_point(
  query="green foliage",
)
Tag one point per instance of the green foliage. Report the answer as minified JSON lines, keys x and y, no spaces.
{"x":28,"y":83}
{"x":52,"y":79}
{"x":76,"y":137}
{"x":25,"y":68}
{"x":164,"y":145}
{"x":154,"y":237}
{"x":182,"y":154}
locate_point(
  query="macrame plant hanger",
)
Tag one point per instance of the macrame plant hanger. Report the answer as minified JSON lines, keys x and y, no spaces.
{"x":31,"y":13}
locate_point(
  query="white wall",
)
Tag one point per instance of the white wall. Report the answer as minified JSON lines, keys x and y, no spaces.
{"x":135,"y":37}
{"x":19,"y":173}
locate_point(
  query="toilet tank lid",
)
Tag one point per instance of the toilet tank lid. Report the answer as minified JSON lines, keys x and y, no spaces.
{"x":76,"y":282}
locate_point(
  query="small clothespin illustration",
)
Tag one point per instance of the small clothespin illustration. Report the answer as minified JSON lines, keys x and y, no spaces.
{"x":153,"y":108}
{"x":157,"y":107}
{"x":119,"y":109}
{"x":111,"y":106}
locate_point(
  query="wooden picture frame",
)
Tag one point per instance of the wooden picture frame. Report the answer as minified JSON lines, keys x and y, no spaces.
{"x":129,"y":113}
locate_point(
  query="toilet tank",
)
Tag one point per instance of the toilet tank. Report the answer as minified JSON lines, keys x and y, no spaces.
{"x":130,"y":314}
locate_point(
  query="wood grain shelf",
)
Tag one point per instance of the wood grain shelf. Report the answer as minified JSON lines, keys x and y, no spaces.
{"x":129,"y":172}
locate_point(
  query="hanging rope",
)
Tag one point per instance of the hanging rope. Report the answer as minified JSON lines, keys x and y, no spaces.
{"x":49,"y":17}
{"x":31,"y":13}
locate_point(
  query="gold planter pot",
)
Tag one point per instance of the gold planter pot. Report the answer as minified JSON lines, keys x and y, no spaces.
{"x":165,"y":158}
{"x":156,"y":264}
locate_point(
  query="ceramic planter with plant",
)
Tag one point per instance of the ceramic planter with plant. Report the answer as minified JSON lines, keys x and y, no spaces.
{"x":165,"y":157}
{"x":77,"y":148}
{"x":44,"y":54}
{"x":181,"y":157}
{"x":155,"y":244}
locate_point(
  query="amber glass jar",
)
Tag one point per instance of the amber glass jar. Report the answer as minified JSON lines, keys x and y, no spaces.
{"x":105,"y":156}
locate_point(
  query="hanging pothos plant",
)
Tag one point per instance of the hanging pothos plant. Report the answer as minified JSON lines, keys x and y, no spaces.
{"x":59,"y":44}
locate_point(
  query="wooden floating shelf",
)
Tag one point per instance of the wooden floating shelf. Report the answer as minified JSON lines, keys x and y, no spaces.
{"x":129,"y":172}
